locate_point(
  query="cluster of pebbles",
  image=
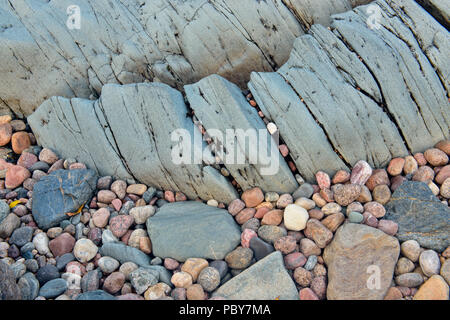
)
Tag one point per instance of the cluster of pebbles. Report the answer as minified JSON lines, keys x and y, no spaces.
{"x":64,"y":261}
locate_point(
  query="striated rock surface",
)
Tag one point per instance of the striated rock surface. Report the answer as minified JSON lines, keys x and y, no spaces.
{"x":170,"y":41}
{"x":420,"y":215}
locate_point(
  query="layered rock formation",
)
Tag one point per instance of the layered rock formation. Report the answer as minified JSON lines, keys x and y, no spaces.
{"x":346,"y":93}
{"x":120,"y":42}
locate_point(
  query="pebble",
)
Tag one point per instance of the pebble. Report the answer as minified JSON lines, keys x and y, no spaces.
{"x":388,"y":226}
{"x":285,"y":244}
{"x":429,"y":262}
{"x":62,"y":261}
{"x":120,"y":224}
{"x":195,"y":292}
{"x":316,"y":214}
{"x":305,"y":203}
{"x":21,"y":236}
{"x":443,"y":174}
{"x":333,"y":221}
{"x":410,"y":165}
{"x":393,"y":294}
{"x":295,"y":217}
{"x":108,"y":265}
{"x":382,"y":194}
{"x":157,"y":291}
{"x":114,"y":282}
{"x":47,"y":273}
{"x":365,"y":195}
{"x":209,"y":279}
{"x":311,"y":262}
{"x":404,"y":265}
{"x":27,"y":159}
{"x":341,"y":176}
{"x":260,"y":248}
{"x":178,"y":294}
{"x":445,"y":270}
{"x":309,"y":247}
{"x":323,"y":180}
{"x":320,"y":234}
{"x":5,"y":134}
{"x":212,"y":203}
{"x":411,"y":250}
{"x":361,"y":172}
{"x":378,"y":177}
{"x":84,"y":250}
{"x":246,"y":236}
{"x":271,"y":197}
{"x":270,"y":233}
{"x":423,"y":174}
{"x":181,"y":280}
{"x":319,"y":286}
{"x":142,"y":278}
{"x":331,"y":208}
{"x":436,"y":157}
{"x":355,"y":217}
{"x":346,"y":194}
{"x":127,"y":268}
{"x":105,"y":196}
{"x":137,"y":189}
{"x":272,"y":217}
{"x":444,"y":146}
{"x":294,"y":260}
{"x":41,"y":242}
{"x":304,"y":191}
{"x":375,"y":208}
{"x":410,"y":280}
{"x":284,"y":200}
{"x":307,"y":294}
{"x":48,"y":156}
{"x":236,"y":206}
{"x":141,"y":214}
{"x":395,"y":166}
{"x":245,"y":215}
{"x":370,"y":220}
{"x":119,"y":187}
{"x":101,"y":217}
{"x":445,"y":188}
{"x":20,"y":141}
{"x":302,"y":276}
{"x":252,"y":197}
{"x":15,"y":176}
{"x":53,"y":288}
{"x":239,"y":258}
{"x":434,"y":288}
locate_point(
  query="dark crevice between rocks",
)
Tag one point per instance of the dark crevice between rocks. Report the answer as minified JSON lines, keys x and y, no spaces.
{"x":434,"y":12}
{"x":341,"y":156}
{"x":288,"y":159}
{"x":218,"y":166}
{"x":383,"y":103}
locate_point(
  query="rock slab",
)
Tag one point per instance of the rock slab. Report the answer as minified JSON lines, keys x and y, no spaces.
{"x":265,"y":280}
{"x":183,"y":230}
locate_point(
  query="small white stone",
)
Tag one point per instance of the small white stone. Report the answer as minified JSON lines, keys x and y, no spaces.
{"x":141,"y":214}
{"x":212,"y":203}
{"x":40,"y":242}
{"x":433,"y":187}
{"x":331,"y":208}
{"x":295,"y":217}
{"x":108,"y":265}
{"x":272,"y":128}
{"x":411,"y":250}
{"x":429,"y":262}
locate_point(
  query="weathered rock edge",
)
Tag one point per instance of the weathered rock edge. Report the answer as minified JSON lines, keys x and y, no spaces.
{"x":345,"y":94}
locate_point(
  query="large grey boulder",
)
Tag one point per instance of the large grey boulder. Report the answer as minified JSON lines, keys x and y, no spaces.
{"x":420,"y":216}
{"x":267,"y":279}
{"x":183,"y":230}
{"x":132,"y":126}
{"x":171,"y":41}
{"x":360,"y":262}
{"x":61,"y":192}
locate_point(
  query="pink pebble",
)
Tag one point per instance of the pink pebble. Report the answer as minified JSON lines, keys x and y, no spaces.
{"x":246,"y":236}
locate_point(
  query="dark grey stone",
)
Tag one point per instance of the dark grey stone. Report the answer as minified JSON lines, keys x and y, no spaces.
{"x":260,"y":248}
{"x":95,"y":295}
{"x":182,"y":230}
{"x":91,"y":281}
{"x":47,"y":273}
{"x":221,"y":266}
{"x":124,"y":253}
{"x":21,"y":236}
{"x":420,"y":216}
{"x":53,"y":288}
{"x":63,"y":260}
{"x":61,"y":192}
{"x":4,"y":210}
{"x":29,"y":286}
